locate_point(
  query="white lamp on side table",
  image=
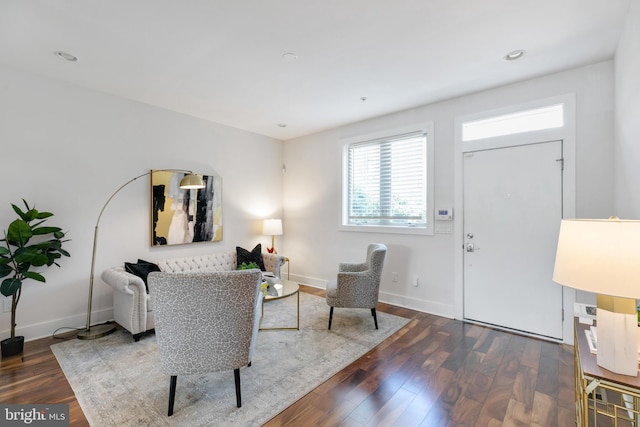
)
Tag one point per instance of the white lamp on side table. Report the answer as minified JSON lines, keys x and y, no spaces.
{"x":272,"y":227}
{"x":603,"y":257}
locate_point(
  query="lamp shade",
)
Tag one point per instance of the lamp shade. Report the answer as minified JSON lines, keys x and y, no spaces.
{"x":272,"y":227}
{"x":600,"y":256}
{"x":191,"y":181}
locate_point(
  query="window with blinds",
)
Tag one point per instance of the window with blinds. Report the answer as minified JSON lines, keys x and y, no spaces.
{"x":386,"y":182}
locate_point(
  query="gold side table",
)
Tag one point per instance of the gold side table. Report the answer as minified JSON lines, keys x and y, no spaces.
{"x":289,"y":288}
{"x":603,"y":398}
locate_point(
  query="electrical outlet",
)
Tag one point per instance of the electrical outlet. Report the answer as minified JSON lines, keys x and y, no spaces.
{"x":6,"y":305}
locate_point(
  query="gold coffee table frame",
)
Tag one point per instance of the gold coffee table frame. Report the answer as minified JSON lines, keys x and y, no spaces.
{"x":289,"y":288}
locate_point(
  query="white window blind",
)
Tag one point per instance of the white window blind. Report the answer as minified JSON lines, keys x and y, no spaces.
{"x":387,"y":181}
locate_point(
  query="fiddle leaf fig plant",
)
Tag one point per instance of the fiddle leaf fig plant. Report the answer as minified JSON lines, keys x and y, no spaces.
{"x":27,"y":245}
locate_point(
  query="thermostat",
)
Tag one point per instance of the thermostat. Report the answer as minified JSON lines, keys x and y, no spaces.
{"x":444,"y":214}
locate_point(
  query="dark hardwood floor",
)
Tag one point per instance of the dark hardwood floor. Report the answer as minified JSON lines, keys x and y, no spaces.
{"x":433,"y":372}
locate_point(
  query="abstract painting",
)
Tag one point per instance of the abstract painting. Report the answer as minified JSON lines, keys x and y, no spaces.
{"x":184,"y":216}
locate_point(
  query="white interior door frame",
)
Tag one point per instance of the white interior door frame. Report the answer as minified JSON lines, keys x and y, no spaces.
{"x":566,"y":134}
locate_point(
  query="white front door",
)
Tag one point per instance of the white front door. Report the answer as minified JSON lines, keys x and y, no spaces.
{"x":512,"y":210}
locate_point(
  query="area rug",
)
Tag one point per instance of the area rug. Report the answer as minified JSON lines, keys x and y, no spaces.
{"x":118,"y":381}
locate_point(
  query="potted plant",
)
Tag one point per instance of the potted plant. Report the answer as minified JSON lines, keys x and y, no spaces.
{"x":20,"y":256}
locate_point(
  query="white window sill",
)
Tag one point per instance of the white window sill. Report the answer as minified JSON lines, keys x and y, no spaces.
{"x":428,"y":231}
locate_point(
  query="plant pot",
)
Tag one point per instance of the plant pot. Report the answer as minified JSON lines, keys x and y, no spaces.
{"x":12,"y":346}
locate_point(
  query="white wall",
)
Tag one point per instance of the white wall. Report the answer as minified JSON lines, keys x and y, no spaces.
{"x":66,"y":149}
{"x":627,"y":121}
{"x":312,"y":186}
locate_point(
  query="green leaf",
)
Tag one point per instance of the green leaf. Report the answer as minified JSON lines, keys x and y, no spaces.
{"x":35,"y":276}
{"x":43,"y":246}
{"x":10,"y":286}
{"x":45,"y":230}
{"x":23,"y":255}
{"x":19,"y":211}
{"x":42,"y":215}
{"x":19,"y":232}
{"x":58,"y":234}
{"x":5,"y":270}
{"x":32,"y":214}
{"x":39,"y":260}
{"x":23,"y":268}
{"x":63,"y":252}
{"x":4,"y":251}
{"x":52,"y":258}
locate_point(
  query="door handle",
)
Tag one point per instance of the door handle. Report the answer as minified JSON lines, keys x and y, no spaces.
{"x":470,"y":247}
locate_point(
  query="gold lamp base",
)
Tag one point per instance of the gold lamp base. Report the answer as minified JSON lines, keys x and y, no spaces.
{"x":97,"y":331}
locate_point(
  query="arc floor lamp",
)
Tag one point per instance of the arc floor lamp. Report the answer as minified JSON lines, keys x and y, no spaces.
{"x":190,"y":181}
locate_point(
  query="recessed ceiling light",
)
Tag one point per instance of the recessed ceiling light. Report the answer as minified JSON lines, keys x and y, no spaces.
{"x":289,"y":57}
{"x":65,"y":55}
{"x":514,"y":54}
{"x":282,"y":125}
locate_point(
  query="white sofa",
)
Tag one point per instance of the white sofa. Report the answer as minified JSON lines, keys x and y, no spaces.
{"x":132,"y":308}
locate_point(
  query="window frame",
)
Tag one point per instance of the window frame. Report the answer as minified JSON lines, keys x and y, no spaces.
{"x":428,"y":129}
{"x":507,"y":119}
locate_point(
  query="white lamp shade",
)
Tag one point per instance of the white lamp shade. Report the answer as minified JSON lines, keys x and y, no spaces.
{"x":600,"y":256}
{"x":272,"y":227}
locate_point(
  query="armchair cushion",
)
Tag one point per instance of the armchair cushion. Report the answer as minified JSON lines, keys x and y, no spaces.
{"x":141,"y":269}
{"x":243,"y":256}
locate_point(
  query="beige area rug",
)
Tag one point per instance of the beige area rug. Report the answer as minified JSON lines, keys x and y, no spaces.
{"x":118,"y":381}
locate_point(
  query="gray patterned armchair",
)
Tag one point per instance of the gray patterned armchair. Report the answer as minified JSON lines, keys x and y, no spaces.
{"x":205,"y":322}
{"x":358,"y":285}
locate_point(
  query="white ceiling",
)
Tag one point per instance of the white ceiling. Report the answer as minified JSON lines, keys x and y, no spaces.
{"x":221,"y":60}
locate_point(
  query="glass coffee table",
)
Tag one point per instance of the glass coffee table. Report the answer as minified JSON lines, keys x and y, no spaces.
{"x":289,"y":288}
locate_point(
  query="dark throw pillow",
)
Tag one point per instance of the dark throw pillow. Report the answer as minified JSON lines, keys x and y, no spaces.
{"x":244,"y":256}
{"x":141,"y":269}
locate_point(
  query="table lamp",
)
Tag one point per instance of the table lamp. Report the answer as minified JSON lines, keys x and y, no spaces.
{"x":272,"y":227}
{"x":603,"y":257}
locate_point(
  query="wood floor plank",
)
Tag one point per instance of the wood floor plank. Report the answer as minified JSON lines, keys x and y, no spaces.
{"x":518,"y":414}
{"x":531,"y":355}
{"x":392,"y":409}
{"x":465,"y":413}
{"x":496,"y":402}
{"x":524,"y":388}
{"x":545,"y":410}
{"x":433,"y":372}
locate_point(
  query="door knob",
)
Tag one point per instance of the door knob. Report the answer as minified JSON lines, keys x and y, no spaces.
{"x":470,"y":247}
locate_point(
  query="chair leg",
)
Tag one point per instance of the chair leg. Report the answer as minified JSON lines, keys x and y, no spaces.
{"x":375,"y":318}
{"x":330,"y":316}
{"x":172,"y":393}
{"x":236,"y":375}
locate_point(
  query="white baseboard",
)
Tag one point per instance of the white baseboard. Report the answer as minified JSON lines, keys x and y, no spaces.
{"x":424,"y":306}
{"x":65,"y":324}
{"x":310,"y":281}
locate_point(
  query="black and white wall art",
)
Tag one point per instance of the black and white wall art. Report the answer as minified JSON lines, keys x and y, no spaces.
{"x":184,"y":216}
